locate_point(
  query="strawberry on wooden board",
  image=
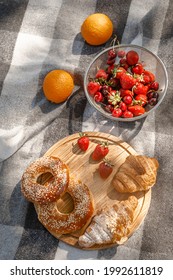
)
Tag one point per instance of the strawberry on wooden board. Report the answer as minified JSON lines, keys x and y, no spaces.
{"x":100,"y":151}
{"x":83,"y":141}
{"x":105,"y":169}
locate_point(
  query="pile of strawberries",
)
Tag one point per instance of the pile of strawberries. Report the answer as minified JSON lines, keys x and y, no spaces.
{"x":125,"y":87}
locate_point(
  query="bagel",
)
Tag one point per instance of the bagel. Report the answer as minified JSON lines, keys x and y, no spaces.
{"x":52,"y":189}
{"x":63,"y":223}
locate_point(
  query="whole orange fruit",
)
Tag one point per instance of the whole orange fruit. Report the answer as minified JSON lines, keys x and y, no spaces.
{"x":97,"y":29}
{"x":58,"y":86}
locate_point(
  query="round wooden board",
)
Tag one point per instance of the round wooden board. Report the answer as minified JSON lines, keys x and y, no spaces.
{"x":85,"y":169}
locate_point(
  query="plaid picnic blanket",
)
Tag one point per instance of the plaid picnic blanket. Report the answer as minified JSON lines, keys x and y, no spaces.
{"x":36,"y":37}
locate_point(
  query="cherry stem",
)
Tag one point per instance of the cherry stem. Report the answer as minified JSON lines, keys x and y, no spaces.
{"x":114,"y":42}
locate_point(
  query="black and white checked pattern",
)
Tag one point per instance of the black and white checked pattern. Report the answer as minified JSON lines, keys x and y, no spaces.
{"x":36,"y":37}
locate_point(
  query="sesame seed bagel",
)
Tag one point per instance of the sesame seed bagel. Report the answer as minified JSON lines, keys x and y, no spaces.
{"x":51,"y":190}
{"x":63,"y":223}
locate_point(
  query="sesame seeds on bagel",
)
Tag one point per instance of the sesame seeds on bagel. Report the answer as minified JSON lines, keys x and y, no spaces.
{"x":50,"y":191}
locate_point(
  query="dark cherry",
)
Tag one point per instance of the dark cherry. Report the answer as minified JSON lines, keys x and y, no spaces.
{"x":153,"y":94}
{"x":105,"y":90}
{"x":109,"y":108}
{"x":114,"y":82}
{"x":112,"y":54}
{"x":153,"y":101}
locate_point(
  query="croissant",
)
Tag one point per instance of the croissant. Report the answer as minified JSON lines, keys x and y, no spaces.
{"x":111,"y":225}
{"x":137,"y":173}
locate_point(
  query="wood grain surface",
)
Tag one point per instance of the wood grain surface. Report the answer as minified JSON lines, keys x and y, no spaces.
{"x":85,"y":169}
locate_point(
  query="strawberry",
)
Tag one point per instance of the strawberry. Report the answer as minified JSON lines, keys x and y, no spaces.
{"x":101,"y":74}
{"x":145,"y":78}
{"x":83,"y":142}
{"x":137,"y":69}
{"x":117,"y":72}
{"x":105,"y":169}
{"x":151,"y":75}
{"x":114,"y":97}
{"x":93,"y":87}
{"x":136,"y":110}
{"x":141,"y":99}
{"x":148,"y":77}
{"x":140,"y":88}
{"x":127,"y":81}
{"x":100,"y":151}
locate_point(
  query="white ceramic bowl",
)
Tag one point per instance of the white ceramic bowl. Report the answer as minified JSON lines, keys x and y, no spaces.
{"x":153,"y":63}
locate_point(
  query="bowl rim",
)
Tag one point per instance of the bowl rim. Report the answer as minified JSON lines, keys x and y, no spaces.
{"x":137,"y":117}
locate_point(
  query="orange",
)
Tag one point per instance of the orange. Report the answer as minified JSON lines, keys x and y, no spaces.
{"x":97,"y":29}
{"x":58,"y":86}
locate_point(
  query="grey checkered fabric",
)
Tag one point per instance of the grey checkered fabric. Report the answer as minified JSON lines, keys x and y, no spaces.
{"x":38,"y":36}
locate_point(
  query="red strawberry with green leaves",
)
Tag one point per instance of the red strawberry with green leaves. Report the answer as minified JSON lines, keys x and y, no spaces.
{"x":83,"y":141}
{"x":127,"y":81}
{"x":118,"y":71}
{"x":100,"y":151}
{"x":140,"y":88}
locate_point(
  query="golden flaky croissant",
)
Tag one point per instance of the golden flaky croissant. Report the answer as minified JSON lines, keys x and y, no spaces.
{"x":137,"y":173}
{"x":111,"y":225}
